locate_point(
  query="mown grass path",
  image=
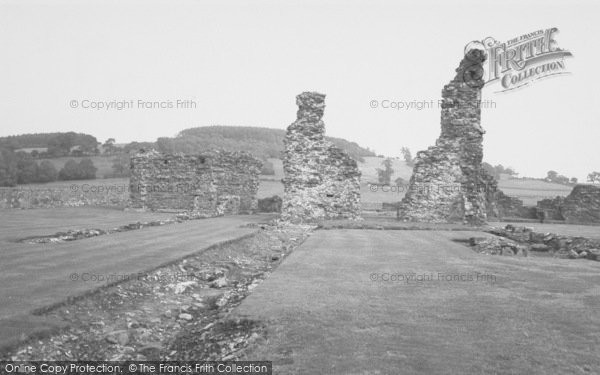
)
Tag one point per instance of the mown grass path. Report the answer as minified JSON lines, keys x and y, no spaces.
{"x":33,"y":276}
{"x":328,"y":314}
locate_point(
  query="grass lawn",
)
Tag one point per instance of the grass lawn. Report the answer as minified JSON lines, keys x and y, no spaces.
{"x":17,"y":224}
{"x":35,"y":276}
{"x":330,"y":310}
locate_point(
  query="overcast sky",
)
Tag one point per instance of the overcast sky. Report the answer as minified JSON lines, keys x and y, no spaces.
{"x":243,"y":63}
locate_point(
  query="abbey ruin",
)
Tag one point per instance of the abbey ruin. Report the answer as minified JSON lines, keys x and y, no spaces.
{"x":448,"y":182}
{"x":321,"y":181}
{"x":210,"y":184}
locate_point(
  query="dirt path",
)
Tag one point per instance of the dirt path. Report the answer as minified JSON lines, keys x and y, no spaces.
{"x":340,"y":304}
{"x":34,"y":276}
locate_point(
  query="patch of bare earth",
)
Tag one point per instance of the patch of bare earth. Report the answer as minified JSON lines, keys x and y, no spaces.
{"x":180,"y":311}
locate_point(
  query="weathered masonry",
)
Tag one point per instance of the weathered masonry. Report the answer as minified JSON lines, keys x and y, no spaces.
{"x":448,"y":181}
{"x":210,"y":184}
{"x":581,"y":206}
{"x":321,"y":181}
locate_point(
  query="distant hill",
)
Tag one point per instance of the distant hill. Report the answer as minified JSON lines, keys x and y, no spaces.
{"x":261,"y":142}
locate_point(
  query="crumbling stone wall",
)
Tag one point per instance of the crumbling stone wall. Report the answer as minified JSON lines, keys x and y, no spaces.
{"x":213,"y":183}
{"x":582,"y":205}
{"x":77,"y":194}
{"x":552,"y":208}
{"x":448,"y":182}
{"x":321,"y":181}
{"x":500,"y":205}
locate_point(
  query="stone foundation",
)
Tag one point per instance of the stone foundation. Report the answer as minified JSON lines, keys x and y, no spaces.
{"x":211,"y":184}
{"x":97,"y":193}
{"x":321,"y":181}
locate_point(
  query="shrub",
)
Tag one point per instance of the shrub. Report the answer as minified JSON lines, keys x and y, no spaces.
{"x":271,"y":204}
{"x":267,"y":168}
{"x":8,"y":167}
{"x":84,"y":170}
{"x":47,"y":172}
{"x":121,"y":166}
{"x":27,"y":168}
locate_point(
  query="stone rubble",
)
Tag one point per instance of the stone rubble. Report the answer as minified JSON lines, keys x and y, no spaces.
{"x":497,"y":246}
{"x":560,"y":246}
{"x":321,"y":181}
{"x":78,"y":234}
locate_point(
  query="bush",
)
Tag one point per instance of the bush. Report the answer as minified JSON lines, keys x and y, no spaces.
{"x":271,"y":204}
{"x":407,"y":155}
{"x":384,"y":175}
{"x":8,"y":167}
{"x":21,"y":168}
{"x":400,"y":181}
{"x":121,"y":166}
{"x":84,"y":170}
{"x":27,"y":168}
{"x":267,"y":168}
{"x":47,"y":172}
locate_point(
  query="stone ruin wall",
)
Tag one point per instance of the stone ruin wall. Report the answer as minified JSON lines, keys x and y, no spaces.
{"x":321,"y":181}
{"x":581,"y":206}
{"x":448,"y":181}
{"x":76,"y":194}
{"x":209,"y":184}
{"x":552,"y":208}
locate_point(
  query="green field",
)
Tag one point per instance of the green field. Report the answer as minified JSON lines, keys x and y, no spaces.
{"x":530,"y":191}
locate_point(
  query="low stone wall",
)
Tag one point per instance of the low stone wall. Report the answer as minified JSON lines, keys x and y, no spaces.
{"x":74,"y":195}
{"x":582,"y":205}
{"x":213,"y":183}
{"x":551,"y":208}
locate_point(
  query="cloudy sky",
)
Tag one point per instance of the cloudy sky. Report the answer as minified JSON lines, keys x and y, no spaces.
{"x":243,"y":63}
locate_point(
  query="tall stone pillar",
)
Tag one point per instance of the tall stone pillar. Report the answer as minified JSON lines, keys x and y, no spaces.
{"x":448,"y":183}
{"x":321,"y":181}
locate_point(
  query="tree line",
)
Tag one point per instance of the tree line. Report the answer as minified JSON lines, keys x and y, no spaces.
{"x":56,"y":144}
{"x":21,"y":168}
